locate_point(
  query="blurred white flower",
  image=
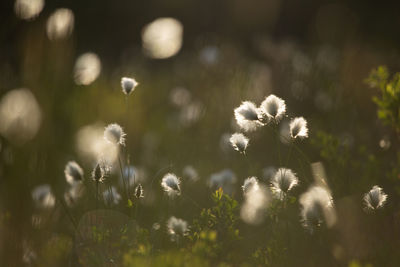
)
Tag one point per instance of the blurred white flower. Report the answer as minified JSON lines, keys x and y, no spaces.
{"x":128,"y":85}
{"x":269,"y":173}
{"x":162,"y":38}
{"x":224,"y":179}
{"x":190,"y":173}
{"x":60,"y":24}
{"x":298,"y":128}
{"x":375,"y":198}
{"x":177,"y":228}
{"x":251,"y":183}
{"x":282,"y":182}
{"x":170,"y":183}
{"x":87,"y":68}
{"x":73,"y":172}
{"x":20,"y":116}
{"x":111,"y":196}
{"x":272,"y":108}
{"x":114,"y":134}
{"x":239,"y":142}
{"x":246,"y":116}
{"x":139,"y":193}
{"x":316,"y":207}
{"x":254,"y":208}
{"x":28,"y":9}
{"x":43,"y":196}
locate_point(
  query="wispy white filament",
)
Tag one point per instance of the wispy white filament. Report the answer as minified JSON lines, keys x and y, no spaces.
{"x":282,"y":182}
{"x":247,"y":115}
{"x":239,"y":142}
{"x":375,"y":198}
{"x":73,"y":172}
{"x":177,"y":228}
{"x":115,"y":134}
{"x":272,"y":108}
{"x":298,"y":128}
{"x":171,"y":184}
{"x":316,"y":207}
{"x":128,"y":85}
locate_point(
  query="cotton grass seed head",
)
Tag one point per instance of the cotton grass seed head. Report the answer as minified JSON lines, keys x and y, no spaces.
{"x":246,"y":116}
{"x":282,"y":182}
{"x":101,"y":171}
{"x":128,"y":85}
{"x":43,"y":197}
{"x":177,"y":228}
{"x":256,"y":202}
{"x":249,"y":184}
{"x":316,"y":207}
{"x":114,"y":134}
{"x":73,"y":173}
{"x":139,"y":191}
{"x":298,"y":128}
{"x":375,"y":199}
{"x":170,"y":183}
{"x":239,"y":142}
{"x":272,"y":108}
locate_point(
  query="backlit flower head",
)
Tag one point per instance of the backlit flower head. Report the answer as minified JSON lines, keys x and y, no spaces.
{"x":139,"y":191}
{"x":298,"y":128}
{"x":177,"y":228}
{"x":316,"y":207}
{"x":115,"y":134}
{"x":73,"y":172}
{"x":239,"y":142}
{"x":256,"y":201}
{"x":246,"y":116}
{"x":375,"y":198}
{"x":128,"y":85}
{"x":101,"y":171}
{"x":272,"y":108}
{"x":170,"y":183}
{"x":283,"y":181}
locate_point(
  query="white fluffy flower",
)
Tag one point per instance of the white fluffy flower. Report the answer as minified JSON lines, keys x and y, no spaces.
{"x":272,"y":108}
{"x":316,"y":206}
{"x":375,"y":198}
{"x":283,"y":181}
{"x":298,"y":128}
{"x":100,"y":171}
{"x":190,"y":173}
{"x":170,"y":183}
{"x":249,"y":184}
{"x":246,"y":116}
{"x":114,"y":134}
{"x":43,"y":196}
{"x":177,"y":228}
{"x":255,"y":204}
{"x":111,"y":196}
{"x":128,"y":85}
{"x":239,"y":142}
{"x":73,"y":172}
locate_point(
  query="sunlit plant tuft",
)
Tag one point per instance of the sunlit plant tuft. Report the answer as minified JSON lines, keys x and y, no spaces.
{"x":177,"y":228}
{"x":272,"y":108}
{"x":249,"y":184}
{"x":298,"y":128}
{"x":282,"y":182}
{"x":128,"y":85}
{"x":246,"y":116}
{"x":170,"y":183}
{"x":375,"y":198}
{"x":139,"y":193}
{"x":114,"y":134}
{"x":239,"y":142}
